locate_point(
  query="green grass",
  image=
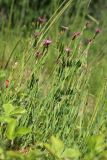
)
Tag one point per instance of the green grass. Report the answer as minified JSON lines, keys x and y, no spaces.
{"x":59,"y":95}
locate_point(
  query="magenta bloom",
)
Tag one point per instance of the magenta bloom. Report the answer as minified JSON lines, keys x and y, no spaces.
{"x":98,"y":31}
{"x":41,"y":20}
{"x":47,"y":42}
{"x":75,"y":35}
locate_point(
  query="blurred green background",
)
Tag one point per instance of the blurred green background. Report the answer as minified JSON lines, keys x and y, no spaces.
{"x":26,"y":11}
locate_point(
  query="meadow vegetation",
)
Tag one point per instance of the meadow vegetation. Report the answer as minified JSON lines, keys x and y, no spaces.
{"x":53,"y":84}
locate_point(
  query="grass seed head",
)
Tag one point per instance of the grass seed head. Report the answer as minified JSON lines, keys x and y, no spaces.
{"x":64,"y":28}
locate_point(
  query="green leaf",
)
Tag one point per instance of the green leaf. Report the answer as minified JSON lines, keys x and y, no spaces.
{"x":95,"y":143}
{"x":57,"y":145}
{"x":12,"y":154}
{"x":2,"y":156}
{"x":10,"y":131}
{"x":22,"y":131}
{"x":8,"y":108}
{"x":6,"y":119}
{"x":71,"y":153}
{"x":49,"y":149}
{"x":18,"y":111}
{"x":35,"y":153}
{"x":100,"y":143}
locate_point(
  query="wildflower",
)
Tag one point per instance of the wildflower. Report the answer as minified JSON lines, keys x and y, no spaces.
{"x":41,"y":20}
{"x":7,"y":83}
{"x":64,"y":28}
{"x":97,"y":31}
{"x":75,"y":35}
{"x":47,"y":42}
{"x":68,"y":50}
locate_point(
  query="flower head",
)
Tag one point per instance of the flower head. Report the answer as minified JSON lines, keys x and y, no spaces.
{"x":75,"y":35}
{"x":97,"y":31}
{"x":68,"y":50}
{"x":47,"y":42}
{"x":7,"y":83}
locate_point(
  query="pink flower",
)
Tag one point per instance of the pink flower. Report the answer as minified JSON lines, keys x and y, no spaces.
{"x":75,"y":35}
{"x":47,"y":42}
{"x":68,"y":50}
{"x":98,"y":31}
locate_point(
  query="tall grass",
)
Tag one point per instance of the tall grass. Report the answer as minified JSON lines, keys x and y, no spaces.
{"x":52,"y":81}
